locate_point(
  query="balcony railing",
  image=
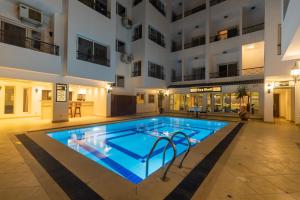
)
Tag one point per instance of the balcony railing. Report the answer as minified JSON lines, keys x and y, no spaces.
{"x":29,"y":43}
{"x":215,"y":2}
{"x":232,"y":32}
{"x":156,"y":75}
{"x":194,"y":77}
{"x":254,"y":71}
{"x":224,"y":74}
{"x":253,"y":28}
{"x":176,"y":17}
{"x":196,"y":41}
{"x":97,"y":6}
{"x":176,"y":78}
{"x":136,"y":73}
{"x":195,"y":10}
{"x":159,"y":6}
{"x":93,"y":59}
{"x":176,"y":46}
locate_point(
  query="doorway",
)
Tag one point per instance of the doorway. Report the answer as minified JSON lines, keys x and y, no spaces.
{"x":276,"y":104}
{"x":283,"y":103}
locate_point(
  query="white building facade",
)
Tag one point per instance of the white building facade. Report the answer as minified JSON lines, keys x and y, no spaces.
{"x":78,"y":58}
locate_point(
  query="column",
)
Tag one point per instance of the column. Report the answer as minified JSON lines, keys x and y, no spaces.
{"x":297,"y":104}
{"x":268,"y":102}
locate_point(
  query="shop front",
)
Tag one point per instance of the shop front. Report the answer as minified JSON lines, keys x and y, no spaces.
{"x":216,"y":99}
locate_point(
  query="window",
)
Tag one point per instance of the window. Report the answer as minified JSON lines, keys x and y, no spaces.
{"x":198,"y":73}
{"x":121,"y":10}
{"x":159,"y":6}
{"x":279,"y":40}
{"x":120,"y":46}
{"x":140,"y":98}
{"x":151,"y":98}
{"x":9,"y":101}
{"x":137,"y":32}
{"x":98,"y":5}
{"x":90,"y":51}
{"x":46,"y":95}
{"x":156,"y":71}
{"x":26,"y":96}
{"x":228,"y":70}
{"x":120,"y":81}
{"x":136,"y":2}
{"x":137,"y":69}
{"x":156,"y":37}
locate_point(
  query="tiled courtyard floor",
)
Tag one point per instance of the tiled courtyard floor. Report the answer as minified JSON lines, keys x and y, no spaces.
{"x":263,"y":163}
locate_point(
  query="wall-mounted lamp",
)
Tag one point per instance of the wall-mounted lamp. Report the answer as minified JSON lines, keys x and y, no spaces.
{"x":108,"y":88}
{"x":295,"y":72}
{"x":36,"y":90}
{"x":167,"y":92}
{"x":269,"y":87}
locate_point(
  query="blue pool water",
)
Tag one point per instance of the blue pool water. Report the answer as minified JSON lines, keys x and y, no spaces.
{"x":123,"y":147}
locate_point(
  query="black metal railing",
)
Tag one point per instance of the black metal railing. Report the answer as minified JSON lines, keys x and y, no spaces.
{"x":93,"y":59}
{"x":158,"y":40}
{"x":215,"y":2}
{"x":136,"y":2}
{"x":176,"y":46}
{"x":254,"y":28}
{"x":176,"y":78}
{"x":194,"y":77}
{"x":195,"y":10}
{"x":136,"y":73}
{"x":176,"y":17}
{"x":156,"y":75}
{"x":254,"y":71}
{"x":159,"y":6}
{"x":196,"y":41}
{"x":224,"y":74}
{"x":29,"y":43}
{"x":232,"y":32}
{"x":97,"y":6}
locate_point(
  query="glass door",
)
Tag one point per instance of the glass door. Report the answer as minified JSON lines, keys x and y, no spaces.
{"x":9,"y":101}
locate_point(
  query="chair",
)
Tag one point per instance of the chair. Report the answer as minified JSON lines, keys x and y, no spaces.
{"x":70,"y":109}
{"x":77,"y":109}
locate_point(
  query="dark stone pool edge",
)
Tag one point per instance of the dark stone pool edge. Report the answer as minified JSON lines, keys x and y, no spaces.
{"x":70,"y":183}
{"x":190,"y":184}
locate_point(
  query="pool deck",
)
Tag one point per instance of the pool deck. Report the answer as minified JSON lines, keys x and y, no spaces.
{"x":262,"y":163}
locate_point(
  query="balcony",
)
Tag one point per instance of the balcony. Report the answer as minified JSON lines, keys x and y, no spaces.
{"x":176,"y":78}
{"x":215,"y":2}
{"x":176,"y":46}
{"x":196,"y":41}
{"x":176,"y":17}
{"x":195,"y":10}
{"x":224,"y":74}
{"x":253,"y":28}
{"x":93,"y":59}
{"x":98,"y":6}
{"x":254,"y":71}
{"x":29,"y":43}
{"x":159,"y":6}
{"x":194,"y":77}
{"x":225,"y":34}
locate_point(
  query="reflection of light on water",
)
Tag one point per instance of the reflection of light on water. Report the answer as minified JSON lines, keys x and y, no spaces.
{"x":192,"y":140}
{"x":107,"y":149}
{"x":166,"y":133}
{"x":96,"y":129}
{"x":153,"y":119}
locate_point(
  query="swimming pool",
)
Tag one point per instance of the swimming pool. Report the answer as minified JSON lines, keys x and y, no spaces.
{"x":123,"y":147}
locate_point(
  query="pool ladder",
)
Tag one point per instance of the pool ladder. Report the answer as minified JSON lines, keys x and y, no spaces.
{"x":170,"y":141}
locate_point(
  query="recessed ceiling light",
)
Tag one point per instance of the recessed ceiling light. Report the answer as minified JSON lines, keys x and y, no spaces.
{"x":250,"y":46}
{"x":224,"y":52}
{"x":253,"y":7}
{"x":196,"y":58}
{"x":197,"y":26}
{"x":226,"y":16}
{"x":179,"y":33}
{"x":180,"y":4}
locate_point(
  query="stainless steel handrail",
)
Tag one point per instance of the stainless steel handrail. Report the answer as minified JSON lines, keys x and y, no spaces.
{"x":189,"y":146}
{"x":173,"y":158}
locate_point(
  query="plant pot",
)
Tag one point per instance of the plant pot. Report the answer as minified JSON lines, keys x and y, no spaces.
{"x":244,"y":115}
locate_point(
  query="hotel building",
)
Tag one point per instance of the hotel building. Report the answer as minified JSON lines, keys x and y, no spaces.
{"x":77,"y":58}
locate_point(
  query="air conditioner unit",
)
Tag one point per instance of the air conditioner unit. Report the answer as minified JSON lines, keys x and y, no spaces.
{"x":126,"y":58}
{"x":126,"y":22}
{"x":30,"y":15}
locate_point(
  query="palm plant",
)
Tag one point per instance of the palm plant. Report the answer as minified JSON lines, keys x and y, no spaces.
{"x":241,"y":93}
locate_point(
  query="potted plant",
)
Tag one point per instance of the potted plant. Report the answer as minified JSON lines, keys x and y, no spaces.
{"x":160,"y":97}
{"x":241,"y":94}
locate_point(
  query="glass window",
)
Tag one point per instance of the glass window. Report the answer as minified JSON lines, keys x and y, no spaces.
{"x":137,"y":69}
{"x":254,"y":103}
{"x":120,"y":46}
{"x":156,"y":71}
{"x":171,"y":102}
{"x":208,"y":105}
{"x":120,"y":81}
{"x":137,"y":32}
{"x":218,"y":102}
{"x":235,"y":103}
{"x":151,"y":98}
{"x":85,"y":49}
{"x":46,"y":95}
{"x":121,"y":10}
{"x":140,"y":98}
{"x":227,"y":102}
{"x":26,"y":96}
{"x":9,"y":102}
